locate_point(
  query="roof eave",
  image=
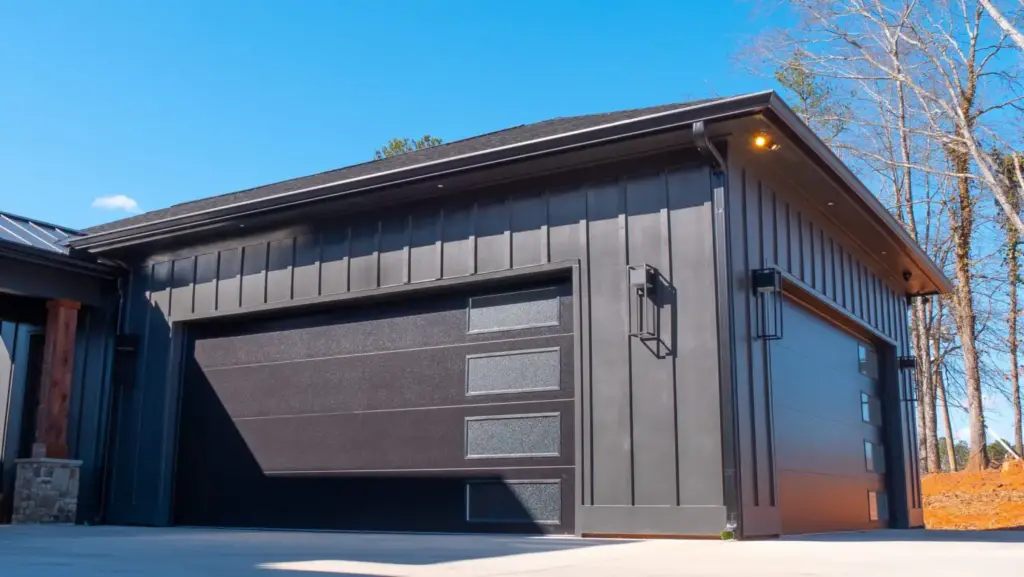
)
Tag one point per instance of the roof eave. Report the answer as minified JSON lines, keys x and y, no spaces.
{"x":141,"y":233}
{"x":59,"y":261}
{"x":784,"y":114}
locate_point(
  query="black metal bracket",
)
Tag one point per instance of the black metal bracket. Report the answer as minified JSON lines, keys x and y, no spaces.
{"x":640,"y":279}
{"x":766,"y":284}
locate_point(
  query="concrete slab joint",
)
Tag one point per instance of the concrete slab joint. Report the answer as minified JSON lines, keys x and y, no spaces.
{"x":46,"y":491}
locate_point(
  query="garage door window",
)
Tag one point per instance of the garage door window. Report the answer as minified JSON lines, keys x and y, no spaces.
{"x":516,"y":310}
{"x":514,"y":372}
{"x":870,"y":409}
{"x":874,"y":457}
{"x":878,"y":506}
{"x":513,"y":436}
{"x":867,"y":361}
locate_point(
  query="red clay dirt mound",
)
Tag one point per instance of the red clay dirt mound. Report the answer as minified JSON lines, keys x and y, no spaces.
{"x":978,"y":501}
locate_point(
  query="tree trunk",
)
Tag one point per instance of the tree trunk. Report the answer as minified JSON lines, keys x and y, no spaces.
{"x":963,"y":230}
{"x":940,"y":392}
{"x":926,"y":390}
{"x":1013,"y":264}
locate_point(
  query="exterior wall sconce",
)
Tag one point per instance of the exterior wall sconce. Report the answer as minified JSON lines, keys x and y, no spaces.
{"x":641,"y":279}
{"x":767,"y":287}
{"x":908,"y":363}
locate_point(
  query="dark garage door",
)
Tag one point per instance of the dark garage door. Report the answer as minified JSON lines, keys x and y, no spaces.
{"x":450,"y":413}
{"x":830,"y":460}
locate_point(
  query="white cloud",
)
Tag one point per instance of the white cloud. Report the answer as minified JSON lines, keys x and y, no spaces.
{"x":116,"y":202}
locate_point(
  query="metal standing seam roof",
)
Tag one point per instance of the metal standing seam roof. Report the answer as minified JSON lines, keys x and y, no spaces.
{"x":22,"y":231}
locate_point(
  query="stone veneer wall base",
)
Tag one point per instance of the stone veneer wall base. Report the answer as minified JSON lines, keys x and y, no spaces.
{"x":46,"y":491}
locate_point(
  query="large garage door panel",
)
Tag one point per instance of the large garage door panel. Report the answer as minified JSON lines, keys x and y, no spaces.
{"x":816,"y":503}
{"x":819,"y":444}
{"x":442,"y":413}
{"x":381,"y":327}
{"x":825,"y":474}
{"x":412,"y":440}
{"x":420,"y":378}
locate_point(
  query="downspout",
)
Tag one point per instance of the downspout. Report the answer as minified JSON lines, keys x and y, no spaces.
{"x":724,"y":311}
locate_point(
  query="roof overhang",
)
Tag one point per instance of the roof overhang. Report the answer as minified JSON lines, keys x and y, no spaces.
{"x":763,"y":106}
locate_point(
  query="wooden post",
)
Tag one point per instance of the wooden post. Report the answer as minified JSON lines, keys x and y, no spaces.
{"x":55,"y":381}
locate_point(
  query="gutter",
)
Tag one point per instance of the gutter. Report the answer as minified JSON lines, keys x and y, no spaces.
{"x":59,"y":261}
{"x":678,"y":118}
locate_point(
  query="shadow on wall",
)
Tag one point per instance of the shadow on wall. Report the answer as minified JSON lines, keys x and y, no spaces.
{"x":220,"y":483}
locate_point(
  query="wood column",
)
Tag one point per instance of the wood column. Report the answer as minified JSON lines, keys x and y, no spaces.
{"x":55,"y":381}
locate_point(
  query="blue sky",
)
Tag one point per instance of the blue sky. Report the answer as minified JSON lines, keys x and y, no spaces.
{"x":165,"y":102}
{"x":170,"y":101}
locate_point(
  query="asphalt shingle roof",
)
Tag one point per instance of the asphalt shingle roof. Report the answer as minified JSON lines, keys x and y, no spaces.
{"x":493,"y":140}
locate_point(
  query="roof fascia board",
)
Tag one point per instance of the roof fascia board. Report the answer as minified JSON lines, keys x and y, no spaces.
{"x":57,"y":260}
{"x":789,"y":120}
{"x":717,"y":109}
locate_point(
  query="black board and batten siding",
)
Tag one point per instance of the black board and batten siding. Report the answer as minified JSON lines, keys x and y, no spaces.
{"x":650,"y":424}
{"x":773,"y":226}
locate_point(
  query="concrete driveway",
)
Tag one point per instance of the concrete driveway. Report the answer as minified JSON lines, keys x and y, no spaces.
{"x":96,"y":551}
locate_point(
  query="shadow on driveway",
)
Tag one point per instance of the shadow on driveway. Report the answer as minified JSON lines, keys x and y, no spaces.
{"x":1015,"y":535}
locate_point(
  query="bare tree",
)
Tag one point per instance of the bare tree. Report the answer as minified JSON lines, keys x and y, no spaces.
{"x":927,"y":77}
{"x":1004,"y":23}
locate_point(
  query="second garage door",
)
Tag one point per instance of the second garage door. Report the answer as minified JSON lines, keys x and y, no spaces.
{"x":450,"y":413}
{"x":830,"y":460}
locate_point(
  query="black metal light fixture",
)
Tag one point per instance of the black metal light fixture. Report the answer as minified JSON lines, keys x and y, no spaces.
{"x":641,"y":279}
{"x":767,"y":287}
{"x":908,"y":363}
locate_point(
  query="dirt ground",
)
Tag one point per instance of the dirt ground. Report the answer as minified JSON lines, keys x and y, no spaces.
{"x":979,"y":501}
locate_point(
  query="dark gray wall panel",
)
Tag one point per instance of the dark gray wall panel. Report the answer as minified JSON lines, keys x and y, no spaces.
{"x":90,"y":404}
{"x":516,"y":501}
{"x":697,"y":407}
{"x":334,"y":267}
{"x":458,"y":258}
{"x":612,"y":467}
{"x":518,"y":436}
{"x":514,"y":371}
{"x":529,"y":230}
{"x":205,"y":292}
{"x":183,"y":273}
{"x":394,"y":261}
{"x":493,"y":237}
{"x":579,"y":216}
{"x":306,"y":272}
{"x":364,"y":258}
{"x":766,"y":211}
{"x":425,"y":247}
{"x":229,"y":281}
{"x":653,"y":392}
{"x":280,"y":258}
{"x":254,"y":274}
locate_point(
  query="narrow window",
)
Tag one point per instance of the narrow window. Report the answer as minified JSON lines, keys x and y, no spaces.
{"x":867,"y":361}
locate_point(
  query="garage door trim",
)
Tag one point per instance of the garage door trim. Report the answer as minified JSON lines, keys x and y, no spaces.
{"x":173,"y":385}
